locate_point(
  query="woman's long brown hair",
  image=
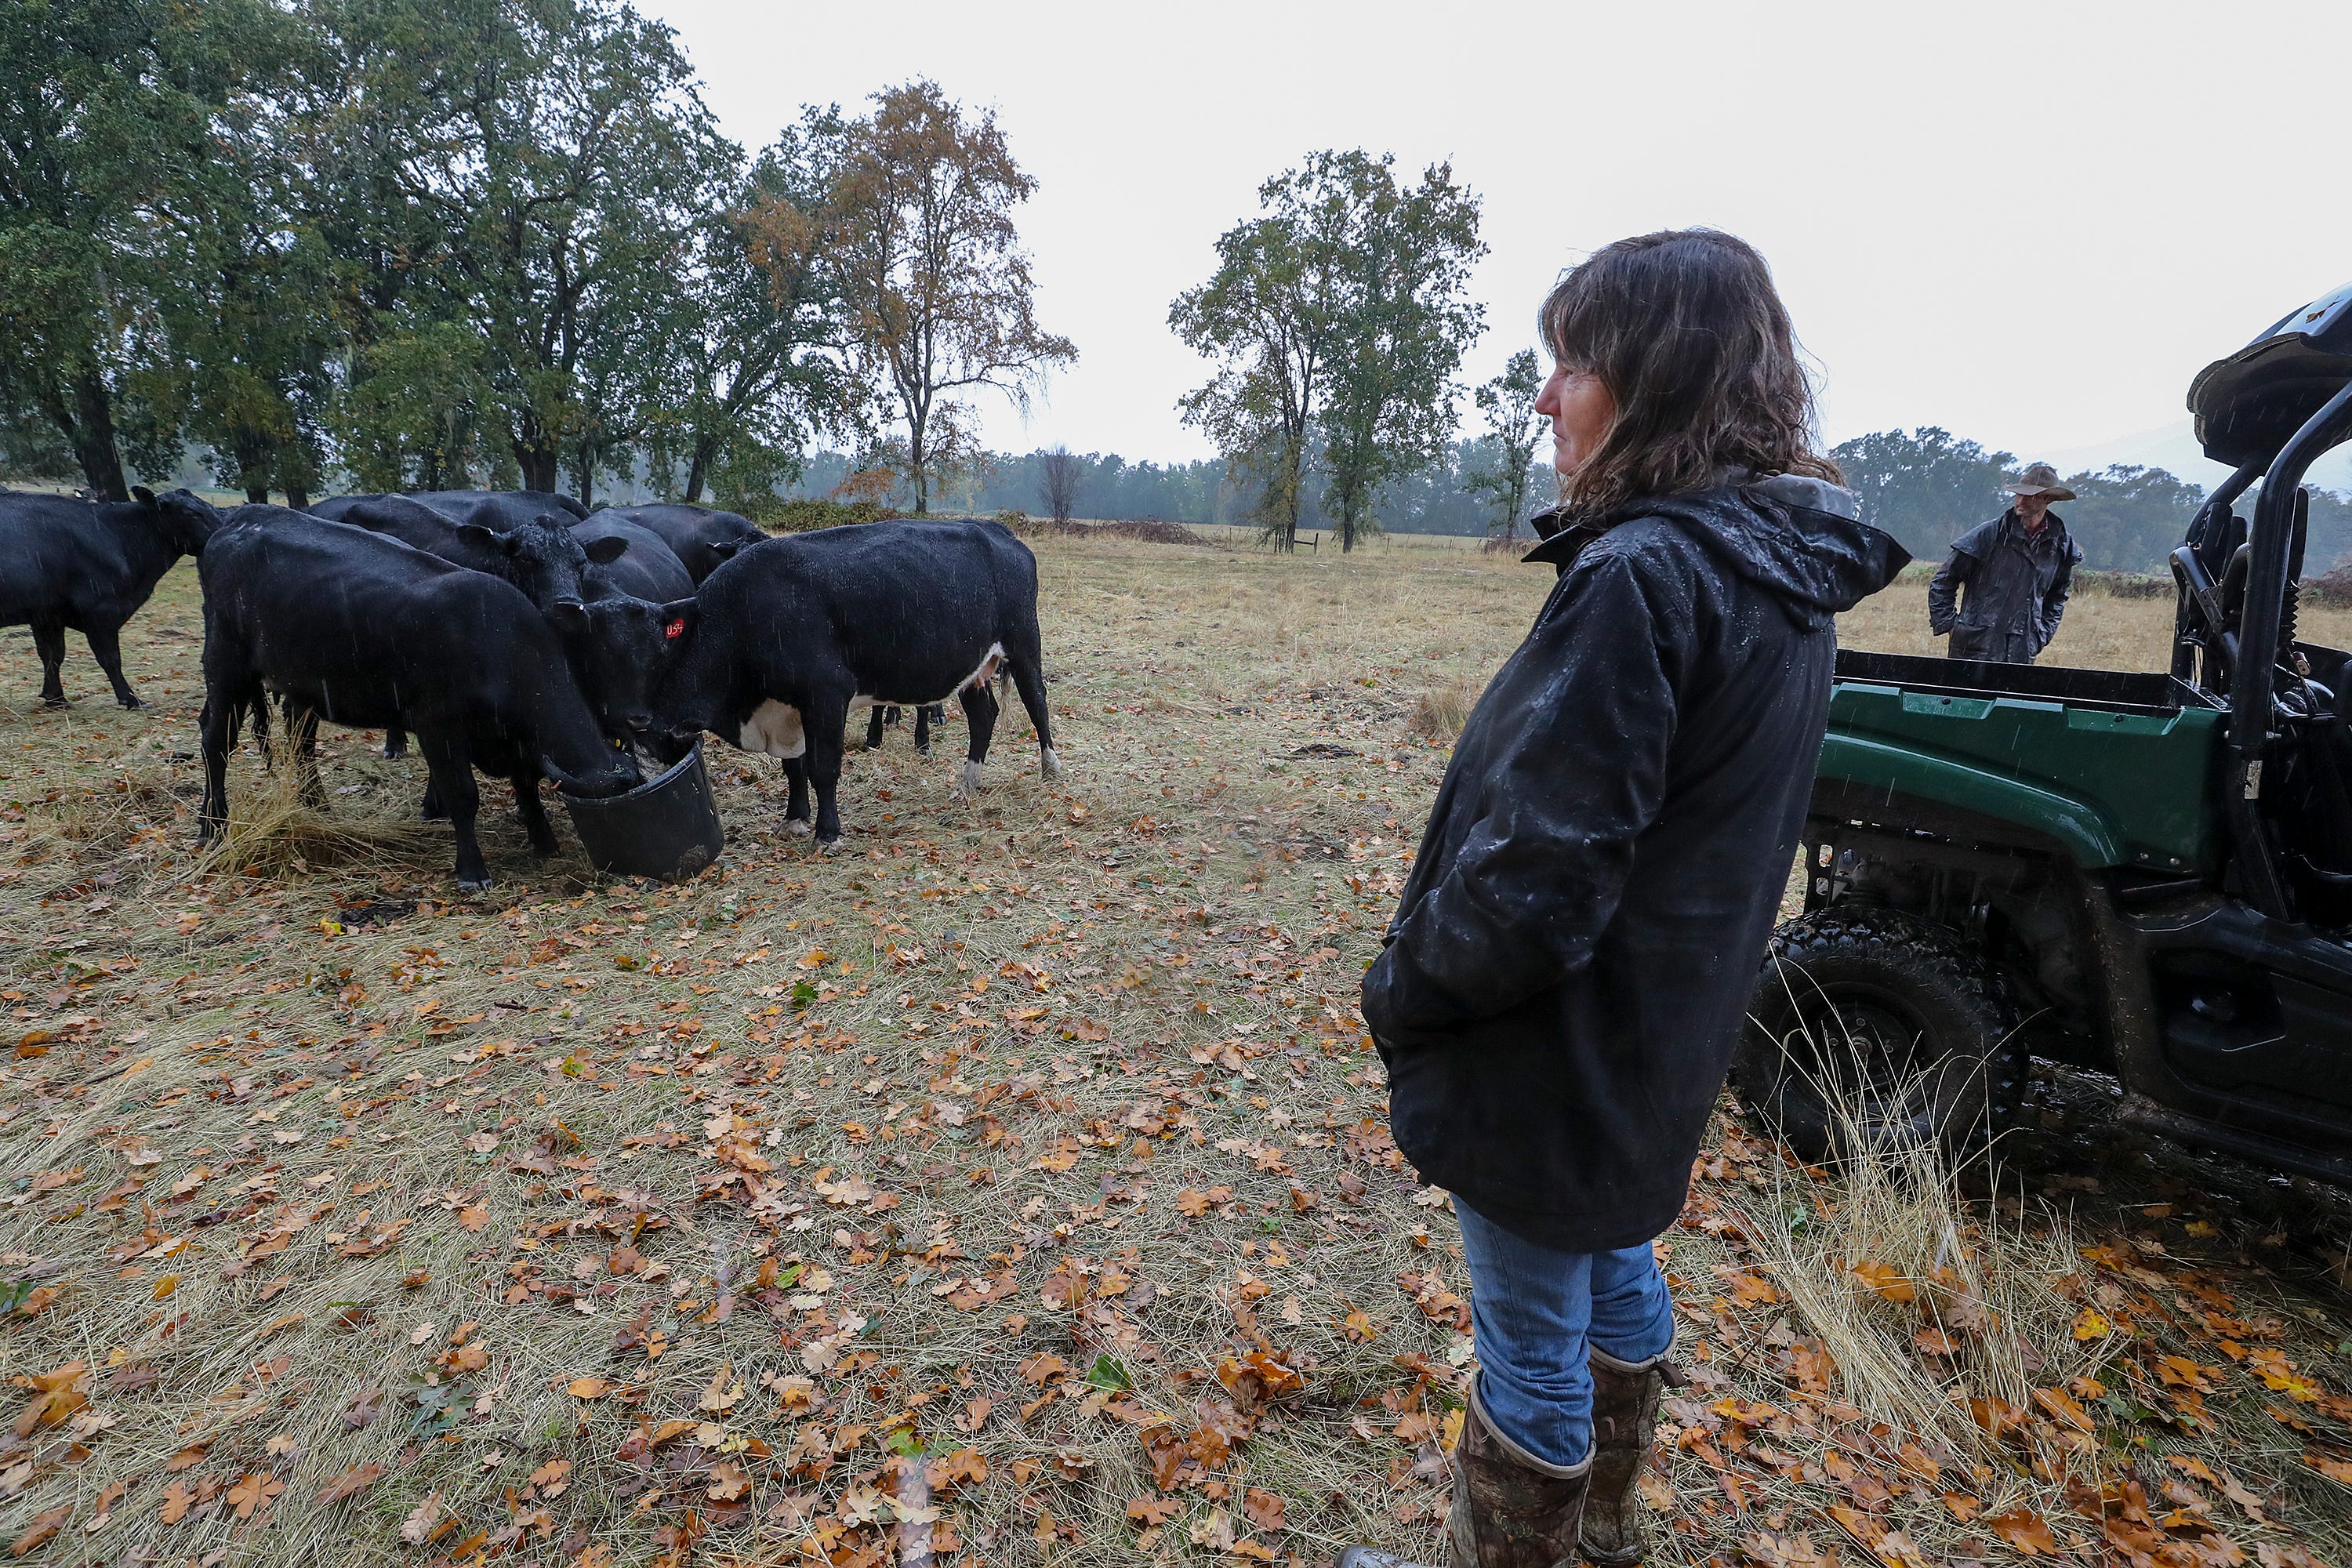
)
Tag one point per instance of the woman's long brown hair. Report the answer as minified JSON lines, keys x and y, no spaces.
{"x":1686,"y":331}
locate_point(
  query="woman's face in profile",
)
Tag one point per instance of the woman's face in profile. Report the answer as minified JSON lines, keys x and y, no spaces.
{"x":1580,"y":411}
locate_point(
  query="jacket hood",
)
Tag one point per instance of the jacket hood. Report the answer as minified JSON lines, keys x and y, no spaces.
{"x":1801,"y":541}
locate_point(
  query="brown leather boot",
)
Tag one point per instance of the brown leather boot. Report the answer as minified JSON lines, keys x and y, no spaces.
{"x":1625,"y":1397}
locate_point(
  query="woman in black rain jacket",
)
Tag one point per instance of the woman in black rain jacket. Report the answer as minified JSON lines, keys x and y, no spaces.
{"x":1567,"y":970}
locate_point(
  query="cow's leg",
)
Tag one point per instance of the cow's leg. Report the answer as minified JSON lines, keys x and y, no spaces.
{"x":106,"y":646}
{"x":980,"y":718}
{"x":873,"y":728}
{"x":825,"y":722}
{"x":216,"y":729}
{"x":924,"y":714}
{"x":302,"y":730}
{"x":796,"y":794}
{"x":533,"y":811}
{"x":49,"y":642}
{"x":451,"y":769}
{"x":230,"y":691}
{"x":1029,"y":680}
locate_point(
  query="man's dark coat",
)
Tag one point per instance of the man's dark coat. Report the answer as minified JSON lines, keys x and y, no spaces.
{"x":1569,"y":964}
{"x":2016,"y":588}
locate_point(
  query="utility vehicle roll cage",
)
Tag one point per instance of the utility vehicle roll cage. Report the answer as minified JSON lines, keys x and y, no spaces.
{"x":2272,"y":410}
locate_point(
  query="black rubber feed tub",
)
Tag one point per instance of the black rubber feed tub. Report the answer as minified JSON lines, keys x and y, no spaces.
{"x":667,"y":828}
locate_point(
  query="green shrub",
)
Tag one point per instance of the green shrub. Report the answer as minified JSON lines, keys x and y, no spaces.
{"x":801,"y":516}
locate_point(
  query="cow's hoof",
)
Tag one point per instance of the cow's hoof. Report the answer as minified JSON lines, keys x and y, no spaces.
{"x":968,"y":783}
{"x":130,"y":702}
{"x":1052,"y":765}
{"x":798,"y":825}
{"x":393,"y":753}
{"x":829,"y":846}
{"x":54,"y":702}
{"x":922,"y":750}
{"x":464,"y":885}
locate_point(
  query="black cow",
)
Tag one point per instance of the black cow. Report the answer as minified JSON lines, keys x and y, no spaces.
{"x":701,"y":537}
{"x":87,"y":566}
{"x":614,"y":640}
{"x":643,"y":563}
{"x":926,"y":715}
{"x":359,"y":630}
{"x":795,"y":632}
{"x":496,"y":510}
{"x":546,"y":560}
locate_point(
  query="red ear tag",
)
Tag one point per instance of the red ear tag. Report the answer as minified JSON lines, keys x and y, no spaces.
{"x":676,"y":629}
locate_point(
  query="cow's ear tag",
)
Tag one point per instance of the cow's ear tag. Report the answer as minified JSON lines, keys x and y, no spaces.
{"x":676,"y":629}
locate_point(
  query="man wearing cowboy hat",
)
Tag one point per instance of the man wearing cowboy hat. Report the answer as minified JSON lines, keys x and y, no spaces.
{"x":2017,"y":570}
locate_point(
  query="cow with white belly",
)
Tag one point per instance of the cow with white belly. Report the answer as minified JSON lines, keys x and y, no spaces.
{"x":795,"y":633}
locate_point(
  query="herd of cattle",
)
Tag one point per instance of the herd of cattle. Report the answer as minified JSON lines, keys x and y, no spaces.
{"x":518,"y":633}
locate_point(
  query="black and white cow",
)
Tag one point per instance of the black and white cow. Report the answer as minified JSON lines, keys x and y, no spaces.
{"x":87,"y":566}
{"x":702,"y":537}
{"x":359,"y":630}
{"x":796,"y":632}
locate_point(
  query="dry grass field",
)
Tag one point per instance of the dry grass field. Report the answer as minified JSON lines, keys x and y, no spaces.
{"x":1011,"y":1186}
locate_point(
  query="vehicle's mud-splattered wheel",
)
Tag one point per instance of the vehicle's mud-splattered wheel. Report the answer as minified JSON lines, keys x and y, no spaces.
{"x":1882,"y":1028}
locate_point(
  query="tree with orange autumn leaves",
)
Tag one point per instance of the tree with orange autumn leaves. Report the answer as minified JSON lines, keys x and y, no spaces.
{"x":916,"y":227}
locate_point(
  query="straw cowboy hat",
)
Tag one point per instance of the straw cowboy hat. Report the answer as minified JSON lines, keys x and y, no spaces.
{"x":2041,"y":479}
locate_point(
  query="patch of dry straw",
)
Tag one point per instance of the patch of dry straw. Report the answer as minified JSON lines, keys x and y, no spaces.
{"x":1925,"y":1297}
{"x":1439,"y":713}
{"x":273,"y":832}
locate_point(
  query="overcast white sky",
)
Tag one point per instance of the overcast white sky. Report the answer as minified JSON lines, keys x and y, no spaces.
{"x":2029,"y":223}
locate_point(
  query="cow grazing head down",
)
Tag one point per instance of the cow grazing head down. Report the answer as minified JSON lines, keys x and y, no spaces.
{"x":182,"y":516}
{"x":623,"y":650}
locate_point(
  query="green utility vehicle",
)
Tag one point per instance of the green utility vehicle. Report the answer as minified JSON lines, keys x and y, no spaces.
{"x":2149,"y":875}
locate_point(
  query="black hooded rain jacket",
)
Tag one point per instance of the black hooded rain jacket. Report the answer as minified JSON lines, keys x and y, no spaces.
{"x":1569,"y":964}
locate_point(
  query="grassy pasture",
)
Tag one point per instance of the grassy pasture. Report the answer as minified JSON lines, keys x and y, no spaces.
{"x":1011,"y":1186}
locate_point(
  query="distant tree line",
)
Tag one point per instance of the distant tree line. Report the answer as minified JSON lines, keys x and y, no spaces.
{"x":434,"y":243}
{"x":1442,"y":498}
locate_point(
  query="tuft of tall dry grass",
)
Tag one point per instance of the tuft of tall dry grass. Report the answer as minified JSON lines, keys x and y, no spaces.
{"x":1439,"y":713}
{"x":275,"y":832}
{"x":1938,"y":1309}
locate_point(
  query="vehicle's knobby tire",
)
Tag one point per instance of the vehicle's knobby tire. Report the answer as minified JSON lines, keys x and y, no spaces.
{"x":1840,"y":977}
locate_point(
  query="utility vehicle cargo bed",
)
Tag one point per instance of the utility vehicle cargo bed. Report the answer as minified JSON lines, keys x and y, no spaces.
{"x":2117,"y":766}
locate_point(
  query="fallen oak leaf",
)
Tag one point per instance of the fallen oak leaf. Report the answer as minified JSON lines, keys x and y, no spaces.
{"x":1886,"y":1282}
{"x":254,"y":1489}
{"x":2333,"y":1469}
{"x":2025,"y":1530}
{"x":728,"y":1483}
{"x":417,"y":1528}
{"x":356,"y":1479}
{"x":36,"y":1534}
{"x":2063,"y":1409}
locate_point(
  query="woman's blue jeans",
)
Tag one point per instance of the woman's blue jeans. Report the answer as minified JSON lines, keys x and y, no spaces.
{"x":1537,"y":1312}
